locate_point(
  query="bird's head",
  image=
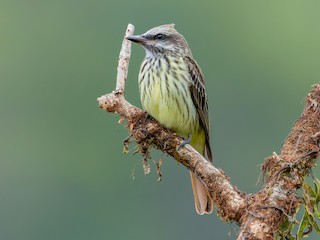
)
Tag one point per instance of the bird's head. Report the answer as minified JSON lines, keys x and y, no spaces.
{"x":161,"y":40}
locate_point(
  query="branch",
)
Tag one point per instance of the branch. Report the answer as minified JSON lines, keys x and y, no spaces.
{"x":285,"y":174}
{"x":147,"y":131}
{"x":259,"y":215}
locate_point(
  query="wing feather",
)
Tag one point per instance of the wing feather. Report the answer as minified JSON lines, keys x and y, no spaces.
{"x":200,"y":100}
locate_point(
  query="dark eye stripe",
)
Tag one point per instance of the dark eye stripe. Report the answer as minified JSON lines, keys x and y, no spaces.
{"x":150,"y":37}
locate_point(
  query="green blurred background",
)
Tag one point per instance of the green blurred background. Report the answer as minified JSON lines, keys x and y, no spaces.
{"x":62,"y":171}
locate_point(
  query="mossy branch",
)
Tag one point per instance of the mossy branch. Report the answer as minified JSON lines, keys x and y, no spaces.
{"x":259,"y":215}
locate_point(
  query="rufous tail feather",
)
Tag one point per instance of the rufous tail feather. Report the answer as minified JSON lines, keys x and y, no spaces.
{"x":202,"y":198}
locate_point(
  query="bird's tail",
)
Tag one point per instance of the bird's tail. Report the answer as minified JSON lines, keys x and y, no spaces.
{"x":202,"y":198}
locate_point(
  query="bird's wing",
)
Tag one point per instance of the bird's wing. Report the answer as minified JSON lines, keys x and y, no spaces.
{"x":199,"y":97}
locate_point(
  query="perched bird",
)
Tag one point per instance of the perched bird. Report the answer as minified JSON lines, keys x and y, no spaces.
{"x":172,"y":90}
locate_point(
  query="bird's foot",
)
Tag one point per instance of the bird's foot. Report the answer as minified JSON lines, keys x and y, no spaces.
{"x":184,"y":142}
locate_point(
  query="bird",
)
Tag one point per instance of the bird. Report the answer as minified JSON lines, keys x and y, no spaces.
{"x":172,"y":90}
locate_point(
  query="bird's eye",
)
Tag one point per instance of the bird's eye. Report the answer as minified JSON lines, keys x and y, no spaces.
{"x":160,"y":36}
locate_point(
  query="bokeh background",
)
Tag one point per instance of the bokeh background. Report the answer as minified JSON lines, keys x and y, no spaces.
{"x":62,"y":171}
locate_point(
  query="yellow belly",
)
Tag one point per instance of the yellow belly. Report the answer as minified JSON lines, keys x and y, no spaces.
{"x":166,"y":97}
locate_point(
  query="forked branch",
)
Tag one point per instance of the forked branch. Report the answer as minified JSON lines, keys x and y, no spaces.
{"x":259,"y":215}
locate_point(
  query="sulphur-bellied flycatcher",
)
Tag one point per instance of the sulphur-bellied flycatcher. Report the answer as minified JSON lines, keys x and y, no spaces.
{"x":172,"y":90}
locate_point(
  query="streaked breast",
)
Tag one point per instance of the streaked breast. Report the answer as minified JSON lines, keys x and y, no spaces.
{"x":164,"y":91}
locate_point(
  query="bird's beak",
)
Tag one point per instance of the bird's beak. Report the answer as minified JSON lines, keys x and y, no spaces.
{"x":137,"y":39}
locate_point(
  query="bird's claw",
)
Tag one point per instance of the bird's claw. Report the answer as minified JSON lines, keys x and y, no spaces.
{"x":184,"y":142}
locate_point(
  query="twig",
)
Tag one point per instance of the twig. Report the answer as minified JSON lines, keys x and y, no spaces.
{"x":124,"y":59}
